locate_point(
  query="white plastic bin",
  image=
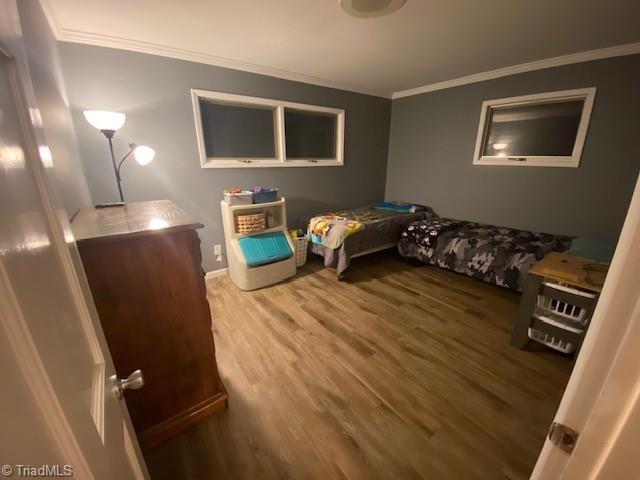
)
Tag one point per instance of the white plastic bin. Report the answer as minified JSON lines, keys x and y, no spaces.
{"x":243,"y":198}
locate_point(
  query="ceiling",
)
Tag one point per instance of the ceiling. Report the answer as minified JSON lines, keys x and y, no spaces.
{"x":425,"y":42}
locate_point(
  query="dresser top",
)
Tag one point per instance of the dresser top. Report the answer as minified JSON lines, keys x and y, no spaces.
{"x":132,"y":219}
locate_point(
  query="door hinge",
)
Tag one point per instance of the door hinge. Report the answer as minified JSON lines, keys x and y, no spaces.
{"x":562,"y":436}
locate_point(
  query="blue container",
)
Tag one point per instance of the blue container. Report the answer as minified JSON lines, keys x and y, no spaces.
{"x":266,"y":195}
{"x":265,"y":248}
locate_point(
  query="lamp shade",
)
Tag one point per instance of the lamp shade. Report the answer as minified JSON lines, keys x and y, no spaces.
{"x":144,"y":154}
{"x":103,"y":120}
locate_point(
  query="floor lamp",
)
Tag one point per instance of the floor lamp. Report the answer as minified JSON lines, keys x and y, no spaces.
{"x":108,"y":123}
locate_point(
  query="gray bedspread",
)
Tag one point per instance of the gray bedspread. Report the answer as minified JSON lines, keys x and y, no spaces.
{"x":498,"y":255}
{"x":381,"y":227}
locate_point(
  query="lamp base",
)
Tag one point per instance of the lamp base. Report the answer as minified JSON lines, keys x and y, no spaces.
{"x":109,"y":205}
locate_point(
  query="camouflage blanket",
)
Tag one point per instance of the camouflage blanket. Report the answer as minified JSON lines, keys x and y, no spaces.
{"x":497,"y":255}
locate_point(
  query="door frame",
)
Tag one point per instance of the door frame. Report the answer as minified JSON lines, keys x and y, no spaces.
{"x":603,"y":363}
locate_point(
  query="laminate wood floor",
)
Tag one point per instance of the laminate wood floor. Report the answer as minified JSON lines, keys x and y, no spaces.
{"x":398,"y":372}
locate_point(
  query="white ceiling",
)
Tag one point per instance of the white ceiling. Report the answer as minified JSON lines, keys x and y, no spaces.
{"x":425,"y":42}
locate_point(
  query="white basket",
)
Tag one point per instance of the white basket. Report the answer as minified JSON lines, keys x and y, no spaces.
{"x":550,"y":341}
{"x":302,"y":245}
{"x":563,"y":313}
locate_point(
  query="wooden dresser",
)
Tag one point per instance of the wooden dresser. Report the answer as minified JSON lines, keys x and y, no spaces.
{"x":143,"y":263}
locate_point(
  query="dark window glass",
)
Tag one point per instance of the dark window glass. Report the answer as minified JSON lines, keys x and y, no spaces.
{"x":309,"y":134}
{"x":238,"y":131}
{"x":544,"y":129}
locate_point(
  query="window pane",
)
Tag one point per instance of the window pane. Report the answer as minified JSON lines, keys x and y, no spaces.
{"x":309,"y":134}
{"x":543,"y":129}
{"x":238,"y":131}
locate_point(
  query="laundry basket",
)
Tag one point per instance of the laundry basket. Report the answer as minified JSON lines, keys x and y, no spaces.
{"x":301,"y":245}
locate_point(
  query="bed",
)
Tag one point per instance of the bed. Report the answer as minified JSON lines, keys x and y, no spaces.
{"x":380,"y":230}
{"x":497,"y":255}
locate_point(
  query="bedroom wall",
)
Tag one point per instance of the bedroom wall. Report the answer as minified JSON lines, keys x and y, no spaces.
{"x":433,"y":138}
{"x":154,"y":92}
{"x":41,"y":48}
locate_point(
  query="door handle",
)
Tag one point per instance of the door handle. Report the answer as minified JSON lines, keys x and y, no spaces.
{"x":132,"y":382}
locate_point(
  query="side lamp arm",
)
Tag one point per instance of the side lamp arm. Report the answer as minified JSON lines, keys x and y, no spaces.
{"x":132,"y":147}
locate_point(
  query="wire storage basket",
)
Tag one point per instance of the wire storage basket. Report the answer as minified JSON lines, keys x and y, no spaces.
{"x":301,"y":245}
{"x":551,"y":341}
{"x":563,"y":314}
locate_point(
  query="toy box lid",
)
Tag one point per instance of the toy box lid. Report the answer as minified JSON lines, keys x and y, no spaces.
{"x":265,"y":248}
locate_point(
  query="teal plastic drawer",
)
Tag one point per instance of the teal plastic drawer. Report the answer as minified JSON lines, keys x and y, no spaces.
{"x":265,"y":248}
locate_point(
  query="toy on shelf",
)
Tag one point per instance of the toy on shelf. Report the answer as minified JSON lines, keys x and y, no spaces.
{"x":260,"y":252}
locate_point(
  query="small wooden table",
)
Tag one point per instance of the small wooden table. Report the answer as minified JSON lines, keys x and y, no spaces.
{"x":559,"y":268}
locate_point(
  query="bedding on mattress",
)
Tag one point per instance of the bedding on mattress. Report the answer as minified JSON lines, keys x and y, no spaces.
{"x":331,"y":230}
{"x":497,"y":255}
{"x":380,"y":228}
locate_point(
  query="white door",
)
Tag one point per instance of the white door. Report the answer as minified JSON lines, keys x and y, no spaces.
{"x":58,"y":406}
{"x":602,"y":399}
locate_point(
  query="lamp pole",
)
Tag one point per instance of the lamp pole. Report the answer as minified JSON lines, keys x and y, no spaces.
{"x":109,"y":135}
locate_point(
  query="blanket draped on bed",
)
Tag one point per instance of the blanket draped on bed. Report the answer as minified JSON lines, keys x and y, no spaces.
{"x":380,"y":227}
{"x":331,"y":230}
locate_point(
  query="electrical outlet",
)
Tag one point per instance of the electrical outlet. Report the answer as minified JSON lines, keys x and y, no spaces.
{"x":217,"y":251}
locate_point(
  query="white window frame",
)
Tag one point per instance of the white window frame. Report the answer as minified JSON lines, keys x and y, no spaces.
{"x":586,"y":94}
{"x":280,"y":158}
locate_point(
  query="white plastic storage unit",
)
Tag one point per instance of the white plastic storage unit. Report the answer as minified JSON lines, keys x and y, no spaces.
{"x":244,"y":276}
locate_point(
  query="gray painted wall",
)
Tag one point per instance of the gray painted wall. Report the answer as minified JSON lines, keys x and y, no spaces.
{"x":154,"y":92}
{"x":433,"y":138}
{"x":41,"y":47}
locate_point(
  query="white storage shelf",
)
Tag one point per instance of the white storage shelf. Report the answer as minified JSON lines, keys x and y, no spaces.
{"x":251,"y":278}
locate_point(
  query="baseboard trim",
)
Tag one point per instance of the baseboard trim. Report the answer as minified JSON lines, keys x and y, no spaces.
{"x":216,"y":273}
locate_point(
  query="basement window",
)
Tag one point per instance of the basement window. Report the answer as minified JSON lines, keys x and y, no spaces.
{"x":237,"y":131}
{"x":544,"y":130}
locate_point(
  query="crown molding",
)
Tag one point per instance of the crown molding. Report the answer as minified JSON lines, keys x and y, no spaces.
{"x":88,"y":38}
{"x":617,"y":51}
{"x":120,"y":43}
